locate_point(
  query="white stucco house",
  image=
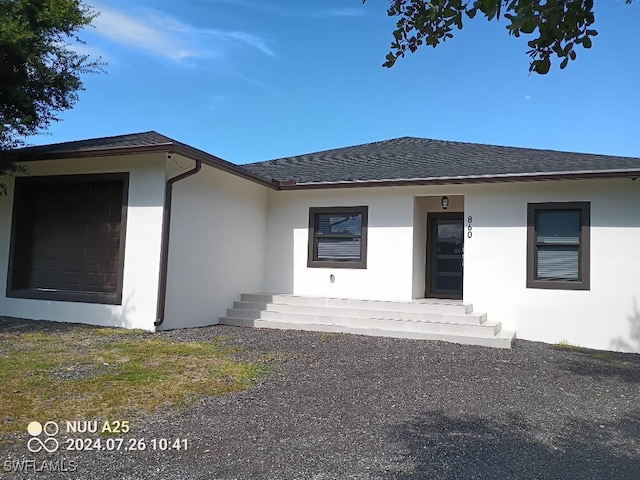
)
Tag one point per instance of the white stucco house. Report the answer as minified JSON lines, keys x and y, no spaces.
{"x":142,"y":231}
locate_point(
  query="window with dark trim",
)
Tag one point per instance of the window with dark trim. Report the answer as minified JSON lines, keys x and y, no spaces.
{"x":558,"y":245}
{"x":338,"y":237}
{"x":67,"y":238}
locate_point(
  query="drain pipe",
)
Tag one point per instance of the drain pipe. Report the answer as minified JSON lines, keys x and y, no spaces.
{"x":164,"y":247}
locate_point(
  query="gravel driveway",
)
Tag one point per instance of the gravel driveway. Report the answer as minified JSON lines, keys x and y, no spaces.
{"x":345,"y":406}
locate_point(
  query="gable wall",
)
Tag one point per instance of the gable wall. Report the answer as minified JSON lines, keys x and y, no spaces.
{"x":142,"y":245}
{"x":217,"y":244}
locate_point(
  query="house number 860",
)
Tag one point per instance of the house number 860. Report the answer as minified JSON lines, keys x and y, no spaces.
{"x":469,"y":228}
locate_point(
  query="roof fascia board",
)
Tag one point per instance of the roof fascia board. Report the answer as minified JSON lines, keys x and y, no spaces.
{"x":508,"y":178}
{"x":167,"y":147}
{"x":91,"y":153}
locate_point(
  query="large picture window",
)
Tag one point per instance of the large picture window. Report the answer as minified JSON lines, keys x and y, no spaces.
{"x":67,"y":240}
{"x":558,"y":245}
{"x":338,"y":237}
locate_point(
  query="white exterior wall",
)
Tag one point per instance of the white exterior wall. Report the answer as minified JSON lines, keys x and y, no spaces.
{"x":229,"y":236}
{"x":389,"y":272}
{"x":217,"y":244}
{"x":607,"y":316}
{"x":142,"y":247}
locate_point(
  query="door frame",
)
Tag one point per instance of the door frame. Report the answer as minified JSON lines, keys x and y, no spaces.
{"x":431,"y":254}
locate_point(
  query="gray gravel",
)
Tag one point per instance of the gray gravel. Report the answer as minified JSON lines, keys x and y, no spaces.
{"x":346,"y":406}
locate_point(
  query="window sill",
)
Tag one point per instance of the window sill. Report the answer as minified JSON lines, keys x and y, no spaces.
{"x":328,"y":264}
{"x":557,"y":285}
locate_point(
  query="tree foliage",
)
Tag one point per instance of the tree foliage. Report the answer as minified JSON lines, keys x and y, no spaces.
{"x":556,"y":26}
{"x":39,"y":69}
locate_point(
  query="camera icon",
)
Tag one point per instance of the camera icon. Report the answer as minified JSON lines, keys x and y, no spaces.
{"x":49,"y":444}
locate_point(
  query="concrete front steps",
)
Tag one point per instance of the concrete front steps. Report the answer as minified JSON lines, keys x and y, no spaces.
{"x":446,"y":320}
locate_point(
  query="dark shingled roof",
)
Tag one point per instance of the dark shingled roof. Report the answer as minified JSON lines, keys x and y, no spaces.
{"x":411,"y":159}
{"x":134,"y":143}
{"x":133,"y":140}
{"x":398,"y":161}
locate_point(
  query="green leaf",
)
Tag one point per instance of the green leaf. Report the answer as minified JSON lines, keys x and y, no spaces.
{"x":564,"y":63}
{"x":529,"y":24}
{"x":41,"y":69}
{"x":567,"y":48}
{"x":489,"y":7}
{"x":555,"y":25}
{"x":542,"y":66}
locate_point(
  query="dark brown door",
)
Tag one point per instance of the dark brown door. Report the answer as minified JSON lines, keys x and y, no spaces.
{"x":445,"y":248}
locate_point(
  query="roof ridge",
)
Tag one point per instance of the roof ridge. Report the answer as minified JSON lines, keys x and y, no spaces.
{"x":435,"y":140}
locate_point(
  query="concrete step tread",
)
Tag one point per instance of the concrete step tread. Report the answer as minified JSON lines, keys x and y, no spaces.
{"x":305,"y":317}
{"x":375,"y":312}
{"x":415,"y":305}
{"x":383,"y":324}
{"x":248,"y":309}
{"x":461,"y":319}
{"x":503,"y":339}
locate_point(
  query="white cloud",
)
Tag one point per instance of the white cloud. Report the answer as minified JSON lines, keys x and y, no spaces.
{"x":145,"y":35}
{"x":159,"y":34}
{"x":527,"y":97}
{"x":345,"y":12}
{"x":242,"y":37}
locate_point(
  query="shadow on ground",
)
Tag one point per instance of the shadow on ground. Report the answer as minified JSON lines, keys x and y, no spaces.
{"x":624,"y":369}
{"x":599,"y":364}
{"x":15,"y":326}
{"x":448,"y":446}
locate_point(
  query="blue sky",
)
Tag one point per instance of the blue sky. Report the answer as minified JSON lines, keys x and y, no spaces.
{"x":251,"y":80}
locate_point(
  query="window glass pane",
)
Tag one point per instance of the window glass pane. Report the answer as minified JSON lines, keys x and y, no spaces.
{"x":339,"y":248}
{"x":68,"y":236}
{"x":558,"y":263}
{"x":448,"y":283}
{"x":332,"y":224}
{"x":451,"y":232}
{"x":558,"y":226}
{"x":447,"y":264}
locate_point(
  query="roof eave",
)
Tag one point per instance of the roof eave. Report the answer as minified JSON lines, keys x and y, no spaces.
{"x":37,"y":155}
{"x":167,"y":147}
{"x":460,"y":180}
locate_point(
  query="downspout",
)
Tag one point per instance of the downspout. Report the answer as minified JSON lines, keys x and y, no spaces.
{"x":164,"y":247}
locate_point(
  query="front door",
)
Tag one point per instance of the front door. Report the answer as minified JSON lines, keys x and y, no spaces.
{"x":445,"y":247}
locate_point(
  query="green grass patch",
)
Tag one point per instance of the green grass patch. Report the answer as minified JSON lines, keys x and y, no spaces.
{"x":330,"y":335}
{"x":107,"y":373}
{"x":597,"y":354}
{"x":565,"y":345}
